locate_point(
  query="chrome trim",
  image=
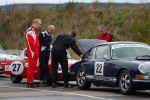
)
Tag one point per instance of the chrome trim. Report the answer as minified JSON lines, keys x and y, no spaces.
{"x":3,"y":63}
{"x":142,"y":81}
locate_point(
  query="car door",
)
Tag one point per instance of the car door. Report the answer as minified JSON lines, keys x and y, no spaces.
{"x":89,"y":59}
{"x":103,"y":67}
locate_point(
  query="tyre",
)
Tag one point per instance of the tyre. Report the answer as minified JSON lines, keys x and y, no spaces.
{"x":81,"y":80}
{"x":125,"y":83}
{"x":16,"y":78}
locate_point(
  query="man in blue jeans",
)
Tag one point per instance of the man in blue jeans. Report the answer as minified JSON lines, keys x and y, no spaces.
{"x":45,"y":39}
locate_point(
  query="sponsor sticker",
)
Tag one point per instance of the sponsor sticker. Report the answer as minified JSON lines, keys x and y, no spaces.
{"x":105,"y":78}
{"x":128,"y":45}
{"x":7,"y":68}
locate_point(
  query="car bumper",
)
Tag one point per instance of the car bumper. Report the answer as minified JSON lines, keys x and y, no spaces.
{"x":141,"y":84}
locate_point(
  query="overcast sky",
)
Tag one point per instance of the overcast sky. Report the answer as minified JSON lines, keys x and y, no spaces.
{"x":7,"y":2}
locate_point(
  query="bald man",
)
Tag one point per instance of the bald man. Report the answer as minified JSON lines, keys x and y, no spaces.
{"x":45,"y":39}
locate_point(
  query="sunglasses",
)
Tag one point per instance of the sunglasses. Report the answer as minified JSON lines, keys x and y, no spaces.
{"x":39,"y":23}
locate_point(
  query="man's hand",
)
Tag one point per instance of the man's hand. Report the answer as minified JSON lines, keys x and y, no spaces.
{"x":81,"y":55}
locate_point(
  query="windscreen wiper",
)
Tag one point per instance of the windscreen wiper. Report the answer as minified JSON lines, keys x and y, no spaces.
{"x":143,"y":56}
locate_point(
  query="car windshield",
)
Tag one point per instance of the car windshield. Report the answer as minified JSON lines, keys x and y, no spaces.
{"x":130,"y":50}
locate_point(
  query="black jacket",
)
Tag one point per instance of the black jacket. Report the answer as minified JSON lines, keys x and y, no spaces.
{"x":65,"y":41}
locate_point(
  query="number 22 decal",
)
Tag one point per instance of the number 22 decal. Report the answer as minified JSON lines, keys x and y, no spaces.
{"x":16,"y":67}
{"x":99,"y":66}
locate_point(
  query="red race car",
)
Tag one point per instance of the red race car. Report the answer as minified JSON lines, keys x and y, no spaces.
{"x":17,"y":69}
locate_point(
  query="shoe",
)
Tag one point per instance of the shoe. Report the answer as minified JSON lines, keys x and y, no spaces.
{"x":42,"y":84}
{"x":54,"y":85}
{"x":66,"y":85}
{"x":31,"y":85}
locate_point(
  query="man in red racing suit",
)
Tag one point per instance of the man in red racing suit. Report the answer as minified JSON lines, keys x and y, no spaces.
{"x":104,"y":35}
{"x":32,"y":51}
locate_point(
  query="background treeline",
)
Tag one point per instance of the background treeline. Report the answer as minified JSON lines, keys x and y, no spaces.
{"x":126,"y":24}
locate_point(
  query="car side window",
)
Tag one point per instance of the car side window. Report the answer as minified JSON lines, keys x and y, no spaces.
{"x":101,"y":51}
{"x":90,"y":54}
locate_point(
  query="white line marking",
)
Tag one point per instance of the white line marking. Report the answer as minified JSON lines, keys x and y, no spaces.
{"x":60,"y":92}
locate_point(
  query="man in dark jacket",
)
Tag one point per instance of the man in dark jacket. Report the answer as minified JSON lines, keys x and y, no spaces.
{"x":59,"y":54}
{"x":45,"y":39}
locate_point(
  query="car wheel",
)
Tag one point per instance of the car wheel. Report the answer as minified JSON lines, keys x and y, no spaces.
{"x":16,"y":78}
{"x":125,"y":83}
{"x":81,"y":80}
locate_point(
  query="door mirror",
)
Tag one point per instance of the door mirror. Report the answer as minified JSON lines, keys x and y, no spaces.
{"x":106,"y":57}
{"x":25,"y":58}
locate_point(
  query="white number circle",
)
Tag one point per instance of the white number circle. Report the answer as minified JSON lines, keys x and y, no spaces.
{"x":16,"y":67}
{"x":99,"y":68}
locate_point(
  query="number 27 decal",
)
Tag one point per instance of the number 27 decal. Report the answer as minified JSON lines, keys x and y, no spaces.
{"x":99,"y":67}
{"x":16,"y":67}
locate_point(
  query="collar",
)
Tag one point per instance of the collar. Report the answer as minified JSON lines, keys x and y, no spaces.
{"x":104,"y":34}
{"x":48,"y":33}
{"x":33,"y":27}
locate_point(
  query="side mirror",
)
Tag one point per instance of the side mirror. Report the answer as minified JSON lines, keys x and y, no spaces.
{"x":106,"y":57}
{"x":25,"y":58}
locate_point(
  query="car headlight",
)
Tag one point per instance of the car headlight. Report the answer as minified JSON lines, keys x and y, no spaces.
{"x":143,"y":69}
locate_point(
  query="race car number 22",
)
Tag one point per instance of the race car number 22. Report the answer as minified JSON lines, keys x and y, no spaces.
{"x":16,"y":67}
{"x":99,"y":66}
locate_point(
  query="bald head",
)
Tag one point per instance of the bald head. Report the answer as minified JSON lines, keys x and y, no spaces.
{"x":51,"y":29}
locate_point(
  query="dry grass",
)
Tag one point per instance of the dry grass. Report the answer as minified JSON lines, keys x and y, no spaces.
{"x":126,"y":24}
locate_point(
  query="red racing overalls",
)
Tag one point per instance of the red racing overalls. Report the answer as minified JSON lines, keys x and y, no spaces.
{"x":32,"y":52}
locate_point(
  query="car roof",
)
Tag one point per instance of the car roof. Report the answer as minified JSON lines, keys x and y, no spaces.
{"x":87,"y":44}
{"x":120,"y":42}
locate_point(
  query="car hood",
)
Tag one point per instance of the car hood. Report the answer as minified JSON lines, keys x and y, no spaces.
{"x":129,"y":61}
{"x":147,"y":62}
{"x":8,"y":57}
{"x":86,"y":44}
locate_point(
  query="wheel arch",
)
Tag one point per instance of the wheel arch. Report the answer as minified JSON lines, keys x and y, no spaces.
{"x":118,"y":73}
{"x":78,"y":68}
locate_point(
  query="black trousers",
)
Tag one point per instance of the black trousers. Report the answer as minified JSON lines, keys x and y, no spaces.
{"x":43,"y":59}
{"x":59,"y":56}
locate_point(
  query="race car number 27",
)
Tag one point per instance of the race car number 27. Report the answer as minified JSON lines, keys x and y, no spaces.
{"x":16,"y":67}
{"x":99,"y":67}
